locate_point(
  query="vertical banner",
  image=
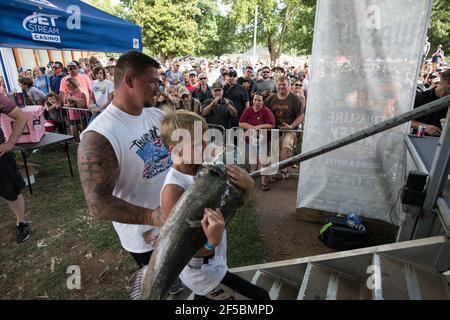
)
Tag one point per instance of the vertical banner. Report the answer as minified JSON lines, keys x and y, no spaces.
{"x":365,"y":63}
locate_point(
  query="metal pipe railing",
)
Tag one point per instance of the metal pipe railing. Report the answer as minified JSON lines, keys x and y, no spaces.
{"x":424,"y":110}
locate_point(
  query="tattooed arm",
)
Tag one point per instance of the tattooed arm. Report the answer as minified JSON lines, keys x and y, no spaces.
{"x":99,"y":171}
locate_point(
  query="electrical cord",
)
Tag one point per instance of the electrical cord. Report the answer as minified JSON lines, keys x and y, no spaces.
{"x":394,"y":205}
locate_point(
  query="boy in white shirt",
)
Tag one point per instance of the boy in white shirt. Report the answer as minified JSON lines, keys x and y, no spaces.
{"x":207,"y":273}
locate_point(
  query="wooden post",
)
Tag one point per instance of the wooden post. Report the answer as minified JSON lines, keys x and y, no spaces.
{"x":17,"y":57}
{"x":36,"y":60}
{"x":50,"y":55}
{"x":63,"y":58}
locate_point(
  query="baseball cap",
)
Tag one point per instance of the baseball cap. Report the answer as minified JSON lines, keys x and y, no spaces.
{"x":202,"y":75}
{"x":182,"y":91}
{"x":232,"y":73}
{"x":193,"y":73}
{"x":217,"y":86}
{"x":73,"y":64}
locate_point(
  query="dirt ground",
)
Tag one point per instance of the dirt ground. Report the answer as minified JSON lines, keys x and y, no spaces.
{"x":283,"y":234}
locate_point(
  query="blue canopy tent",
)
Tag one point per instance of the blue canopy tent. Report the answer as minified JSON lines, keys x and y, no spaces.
{"x":63,"y":25}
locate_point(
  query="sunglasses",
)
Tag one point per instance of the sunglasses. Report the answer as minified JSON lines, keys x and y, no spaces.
{"x":298,"y":85}
{"x":266,"y":72}
{"x":71,"y":68}
{"x":56,"y":67}
{"x":202,"y":78}
{"x":232,"y":75}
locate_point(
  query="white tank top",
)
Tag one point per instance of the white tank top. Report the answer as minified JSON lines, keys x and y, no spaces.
{"x":143,"y":162}
{"x":198,"y":277}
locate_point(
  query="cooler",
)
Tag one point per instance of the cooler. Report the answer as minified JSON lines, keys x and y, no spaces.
{"x":34,"y":129}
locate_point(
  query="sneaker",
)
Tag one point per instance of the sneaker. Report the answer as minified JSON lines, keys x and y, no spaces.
{"x":22,"y":232}
{"x":177,"y":287}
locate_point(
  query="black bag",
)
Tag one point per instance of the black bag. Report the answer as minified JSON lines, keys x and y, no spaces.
{"x":338,"y":235}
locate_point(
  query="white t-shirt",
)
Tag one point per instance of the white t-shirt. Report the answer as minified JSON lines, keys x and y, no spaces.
{"x":200,"y":278}
{"x":143,"y":162}
{"x":101,"y":90}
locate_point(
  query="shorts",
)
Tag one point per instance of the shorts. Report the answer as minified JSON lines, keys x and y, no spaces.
{"x":11,"y":181}
{"x":288,"y":141}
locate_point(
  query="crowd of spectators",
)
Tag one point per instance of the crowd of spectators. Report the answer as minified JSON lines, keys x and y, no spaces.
{"x":72,"y":95}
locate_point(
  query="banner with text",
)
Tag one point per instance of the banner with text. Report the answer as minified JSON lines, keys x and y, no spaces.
{"x":365,"y":62}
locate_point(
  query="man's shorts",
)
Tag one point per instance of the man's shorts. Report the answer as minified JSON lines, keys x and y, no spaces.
{"x":288,"y":141}
{"x":11,"y":181}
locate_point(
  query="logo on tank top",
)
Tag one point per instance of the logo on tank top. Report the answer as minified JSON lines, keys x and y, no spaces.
{"x":152,"y":151}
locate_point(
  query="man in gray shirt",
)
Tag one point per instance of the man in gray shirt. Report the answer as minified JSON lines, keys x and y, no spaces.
{"x":266,"y":86}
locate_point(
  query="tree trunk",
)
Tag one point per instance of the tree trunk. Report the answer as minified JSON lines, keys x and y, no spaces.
{"x":272,"y":49}
{"x":162,"y":58}
{"x":170,"y":57}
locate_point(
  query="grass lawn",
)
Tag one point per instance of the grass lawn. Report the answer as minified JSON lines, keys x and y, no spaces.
{"x":64,"y":234}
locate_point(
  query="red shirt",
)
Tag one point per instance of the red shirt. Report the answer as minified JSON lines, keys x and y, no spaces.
{"x":263,"y":116}
{"x":191,"y":88}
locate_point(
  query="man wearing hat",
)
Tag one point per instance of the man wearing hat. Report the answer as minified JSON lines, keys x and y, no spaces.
{"x":83,"y":80}
{"x":110,"y":67}
{"x":237,"y":94}
{"x":187,"y":102}
{"x":218,"y":110}
{"x":193,"y":81}
{"x":246,"y":80}
{"x":203,"y":92}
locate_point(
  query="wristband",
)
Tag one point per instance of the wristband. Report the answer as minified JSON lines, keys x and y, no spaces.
{"x":209,"y":246}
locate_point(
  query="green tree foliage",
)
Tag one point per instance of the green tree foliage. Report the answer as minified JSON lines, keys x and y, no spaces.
{"x":116,"y":10}
{"x":299,"y":38}
{"x":168,"y":27}
{"x":281,"y":23}
{"x":439,"y":30}
{"x":208,"y":31}
{"x":181,"y":27}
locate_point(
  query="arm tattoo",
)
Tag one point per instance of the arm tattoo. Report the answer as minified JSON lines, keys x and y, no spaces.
{"x":99,"y":172}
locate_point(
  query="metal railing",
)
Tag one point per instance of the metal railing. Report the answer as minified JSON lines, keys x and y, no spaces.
{"x":75,"y":120}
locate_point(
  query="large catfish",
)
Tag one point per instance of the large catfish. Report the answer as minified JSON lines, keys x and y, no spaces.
{"x":182,"y":234}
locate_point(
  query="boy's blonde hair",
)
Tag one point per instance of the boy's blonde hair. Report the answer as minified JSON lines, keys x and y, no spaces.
{"x":178,"y":119}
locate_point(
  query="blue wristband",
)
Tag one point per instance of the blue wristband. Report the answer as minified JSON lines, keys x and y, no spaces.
{"x":209,"y":246}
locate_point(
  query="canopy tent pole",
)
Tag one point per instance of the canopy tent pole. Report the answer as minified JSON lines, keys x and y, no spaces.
{"x":254,"y":36}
